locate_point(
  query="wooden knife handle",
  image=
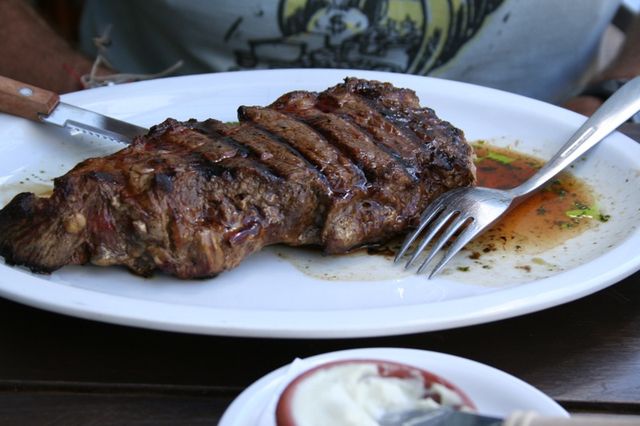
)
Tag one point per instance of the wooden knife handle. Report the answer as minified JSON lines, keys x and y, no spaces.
{"x":527,"y":418}
{"x":25,"y":100}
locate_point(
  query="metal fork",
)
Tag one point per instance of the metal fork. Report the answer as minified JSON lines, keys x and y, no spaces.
{"x":461,"y":214}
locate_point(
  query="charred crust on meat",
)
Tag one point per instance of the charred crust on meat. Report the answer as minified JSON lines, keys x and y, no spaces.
{"x":19,"y":207}
{"x":348,"y":167}
{"x":163,"y":181}
{"x":206,"y":168}
{"x":101,"y":176}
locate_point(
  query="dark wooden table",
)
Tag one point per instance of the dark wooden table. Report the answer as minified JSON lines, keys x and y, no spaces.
{"x":59,"y":370}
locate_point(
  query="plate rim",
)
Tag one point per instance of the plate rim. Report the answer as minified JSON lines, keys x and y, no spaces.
{"x":195,"y":319}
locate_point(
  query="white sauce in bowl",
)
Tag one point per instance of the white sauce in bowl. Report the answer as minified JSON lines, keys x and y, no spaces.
{"x":357,"y":394}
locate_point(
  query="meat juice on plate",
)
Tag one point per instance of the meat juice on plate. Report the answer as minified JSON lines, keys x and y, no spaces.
{"x":563,"y":209}
{"x":12,"y":184}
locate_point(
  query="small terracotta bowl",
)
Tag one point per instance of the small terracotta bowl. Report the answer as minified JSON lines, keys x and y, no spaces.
{"x":284,"y":409}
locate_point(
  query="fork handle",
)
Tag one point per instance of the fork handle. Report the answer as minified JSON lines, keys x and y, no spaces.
{"x":622,"y":105}
{"x":25,"y":100}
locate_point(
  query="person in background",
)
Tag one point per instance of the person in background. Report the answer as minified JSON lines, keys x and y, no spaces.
{"x":543,"y":49}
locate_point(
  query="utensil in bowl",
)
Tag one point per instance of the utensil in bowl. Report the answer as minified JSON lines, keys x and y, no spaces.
{"x":448,"y":417}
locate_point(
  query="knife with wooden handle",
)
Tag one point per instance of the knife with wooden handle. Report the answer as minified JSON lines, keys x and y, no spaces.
{"x":40,"y":105}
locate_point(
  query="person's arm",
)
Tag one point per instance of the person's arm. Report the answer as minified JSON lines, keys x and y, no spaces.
{"x":32,"y":52}
{"x":625,"y":66}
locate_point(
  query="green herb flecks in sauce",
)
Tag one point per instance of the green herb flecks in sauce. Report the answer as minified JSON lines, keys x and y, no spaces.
{"x":565,"y":204}
{"x":496,"y":156}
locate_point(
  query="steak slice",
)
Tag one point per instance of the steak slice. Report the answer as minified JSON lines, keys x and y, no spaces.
{"x":351,"y":166}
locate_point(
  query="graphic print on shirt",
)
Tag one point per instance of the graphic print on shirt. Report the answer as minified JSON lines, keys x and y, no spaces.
{"x":412,"y":36}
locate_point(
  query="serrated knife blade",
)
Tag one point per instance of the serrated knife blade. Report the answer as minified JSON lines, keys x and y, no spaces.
{"x":34,"y":103}
{"x":80,"y":120}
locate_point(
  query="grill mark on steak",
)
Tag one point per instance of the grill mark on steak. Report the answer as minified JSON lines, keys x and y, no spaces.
{"x":375,"y":161}
{"x":282,"y":158}
{"x":437,"y":160}
{"x":278,"y":158}
{"x":385,"y":183}
{"x":224,"y":153}
{"x":376,"y":164}
{"x":270,"y":150}
{"x":193,"y":199}
{"x":363,"y":112}
{"x":418,"y":125}
{"x":387,"y":203}
{"x":343,"y":176}
{"x":384,"y":117}
{"x":379,"y":142}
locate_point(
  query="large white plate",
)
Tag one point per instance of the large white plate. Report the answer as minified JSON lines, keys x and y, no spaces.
{"x":272,"y":294}
{"x":494,"y":392}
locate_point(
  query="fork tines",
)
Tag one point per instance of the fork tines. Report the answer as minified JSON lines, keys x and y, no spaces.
{"x":450,"y":224}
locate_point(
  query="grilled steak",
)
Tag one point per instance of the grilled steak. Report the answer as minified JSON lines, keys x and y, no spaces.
{"x":351,"y":166}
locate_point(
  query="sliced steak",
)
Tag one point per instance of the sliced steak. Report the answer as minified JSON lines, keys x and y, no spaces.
{"x":351,"y":166}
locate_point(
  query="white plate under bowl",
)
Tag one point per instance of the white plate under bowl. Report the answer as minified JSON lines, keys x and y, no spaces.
{"x":284,"y":292}
{"x":494,"y":392}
